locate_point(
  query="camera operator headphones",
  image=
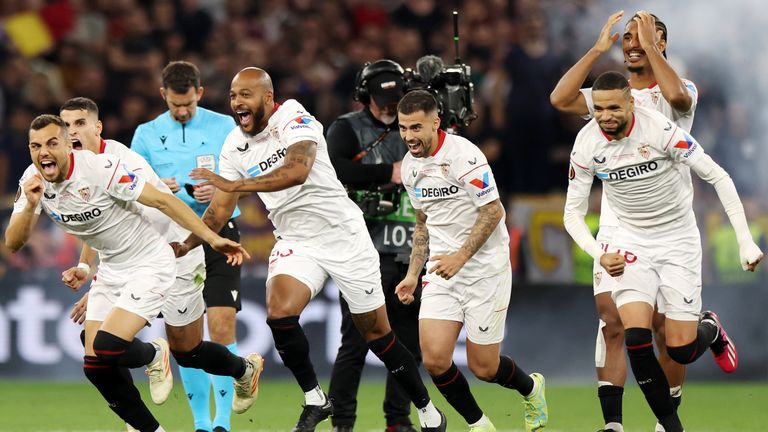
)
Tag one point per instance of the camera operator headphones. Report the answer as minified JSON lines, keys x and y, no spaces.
{"x":370,"y":70}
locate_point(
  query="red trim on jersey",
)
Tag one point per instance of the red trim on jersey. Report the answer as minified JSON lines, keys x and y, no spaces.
{"x":575,"y":163}
{"x":274,"y":108}
{"x":103,"y":146}
{"x":440,"y":141}
{"x":650,"y":86}
{"x":467,"y":173}
{"x":117,"y":165}
{"x":631,"y":126}
{"x":71,"y":165}
{"x":670,"y":138}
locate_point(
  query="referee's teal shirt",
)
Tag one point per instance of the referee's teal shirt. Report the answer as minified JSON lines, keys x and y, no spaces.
{"x":173,"y":149}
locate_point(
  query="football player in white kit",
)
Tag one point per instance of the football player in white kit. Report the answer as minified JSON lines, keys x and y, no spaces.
{"x":93,"y":197}
{"x":184,"y":306}
{"x":655,"y":251}
{"x":279,"y":151}
{"x":461,"y":231}
{"x":655,"y":85}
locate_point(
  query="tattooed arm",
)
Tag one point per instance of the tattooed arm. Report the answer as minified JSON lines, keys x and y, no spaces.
{"x":215,"y":216}
{"x":420,"y":241}
{"x":299,"y":159}
{"x":419,"y":255}
{"x":488,"y":218}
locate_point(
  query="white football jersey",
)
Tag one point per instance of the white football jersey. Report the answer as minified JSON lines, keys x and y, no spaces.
{"x":301,"y":211}
{"x":640,"y":173}
{"x":96,"y":203}
{"x":164,"y":225}
{"x":649,"y":97}
{"x":449,"y":186}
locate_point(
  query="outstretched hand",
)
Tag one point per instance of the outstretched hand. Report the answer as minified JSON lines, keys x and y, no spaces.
{"x":211,"y":178}
{"x":234,"y":251}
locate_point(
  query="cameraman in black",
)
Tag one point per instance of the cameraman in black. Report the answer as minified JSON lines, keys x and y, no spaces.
{"x":366,"y":150}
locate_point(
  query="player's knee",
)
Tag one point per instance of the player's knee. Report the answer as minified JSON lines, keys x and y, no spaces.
{"x":279,"y":311}
{"x":683,"y":354}
{"x":613,"y":332}
{"x":436,"y":365}
{"x":108,"y":347}
{"x":484,"y":371}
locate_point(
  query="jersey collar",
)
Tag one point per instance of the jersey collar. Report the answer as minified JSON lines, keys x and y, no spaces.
{"x":71,"y":165}
{"x":102,"y":146}
{"x":440,"y":140}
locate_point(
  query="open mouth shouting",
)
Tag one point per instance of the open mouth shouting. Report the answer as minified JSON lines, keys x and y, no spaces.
{"x":49,"y":168}
{"x":245,"y":118}
{"x":76,"y":144}
{"x":416,"y":147}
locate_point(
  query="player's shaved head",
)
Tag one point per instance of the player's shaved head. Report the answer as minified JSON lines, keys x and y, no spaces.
{"x":251,"y":98}
{"x":255,"y":77}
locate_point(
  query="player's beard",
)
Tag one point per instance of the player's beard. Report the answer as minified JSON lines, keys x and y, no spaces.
{"x":256,"y":118}
{"x":617,"y":130}
{"x":635,"y":69}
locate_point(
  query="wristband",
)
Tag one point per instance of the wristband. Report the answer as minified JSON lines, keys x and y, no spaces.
{"x":85,"y":267}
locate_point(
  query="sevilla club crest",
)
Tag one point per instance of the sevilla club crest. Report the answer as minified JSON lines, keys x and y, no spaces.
{"x":644,"y":150}
{"x":85,"y":193}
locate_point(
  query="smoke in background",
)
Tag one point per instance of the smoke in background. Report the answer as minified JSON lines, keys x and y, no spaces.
{"x":721,"y":47}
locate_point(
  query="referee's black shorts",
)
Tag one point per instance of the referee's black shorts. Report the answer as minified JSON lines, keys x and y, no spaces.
{"x":222,"y":281}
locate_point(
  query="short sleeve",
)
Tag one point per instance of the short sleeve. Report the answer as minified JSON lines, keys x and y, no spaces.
{"x":474,"y":173}
{"x":302,"y":127}
{"x":123,"y":183}
{"x":408,"y":183}
{"x":693,"y":92}
{"x":587,"y":92}
{"x":682,"y":147}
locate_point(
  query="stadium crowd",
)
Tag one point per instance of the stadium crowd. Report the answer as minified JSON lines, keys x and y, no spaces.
{"x":112,"y":52}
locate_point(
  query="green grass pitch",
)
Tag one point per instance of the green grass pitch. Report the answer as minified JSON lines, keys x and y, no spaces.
{"x":46,"y":406}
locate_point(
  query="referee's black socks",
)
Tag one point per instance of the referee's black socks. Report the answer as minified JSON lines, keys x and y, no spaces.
{"x":650,"y":377}
{"x":401,"y":364}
